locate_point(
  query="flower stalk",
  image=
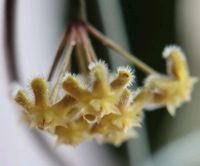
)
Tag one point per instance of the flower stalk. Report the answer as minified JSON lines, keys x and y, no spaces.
{"x":83,"y":12}
{"x":69,"y":48}
{"x":106,"y":41}
{"x":58,"y":55}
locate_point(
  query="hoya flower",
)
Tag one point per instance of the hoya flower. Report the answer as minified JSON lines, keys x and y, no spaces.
{"x":119,"y":127}
{"x":99,"y":104}
{"x":39,"y":113}
{"x":101,"y":97}
{"x":175,"y":89}
{"x":76,"y":132}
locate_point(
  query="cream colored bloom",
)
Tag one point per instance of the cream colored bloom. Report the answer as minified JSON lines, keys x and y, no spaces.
{"x":101,"y":97}
{"x":40,"y":113}
{"x":105,"y":107}
{"x":75,"y":132}
{"x":106,"y":102}
{"x":175,"y":89}
{"x":116,"y":128}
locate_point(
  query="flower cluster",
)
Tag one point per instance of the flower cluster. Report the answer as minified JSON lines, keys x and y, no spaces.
{"x":175,"y":89}
{"x":103,"y":108}
{"x":97,"y":103}
{"x":40,"y":113}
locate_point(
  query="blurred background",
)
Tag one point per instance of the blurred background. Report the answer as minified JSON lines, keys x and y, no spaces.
{"x":30,"y":32}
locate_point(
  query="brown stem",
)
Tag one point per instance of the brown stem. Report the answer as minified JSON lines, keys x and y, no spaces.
{"x":90,"y":53}
{"x":83,"y":13}
{"x":58,"y":55}
{"x":138,"y":63}
{"x":80,"y":57}
{"x":70,"y":46}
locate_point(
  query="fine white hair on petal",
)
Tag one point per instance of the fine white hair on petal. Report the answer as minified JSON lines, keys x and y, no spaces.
{"x":169,"y":49}
{"x":15,"y":88}
{"x":96,"y":64}
{"x":129,"y":70}
{"x":99,"y":62}
{"x":27,"y":86}
{"x":79,"y":78}
{"x":67,"y":74}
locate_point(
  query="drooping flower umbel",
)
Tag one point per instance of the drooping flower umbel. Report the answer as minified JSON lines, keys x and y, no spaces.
{"x":85,"y":110}
{"x":97,"y":103}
